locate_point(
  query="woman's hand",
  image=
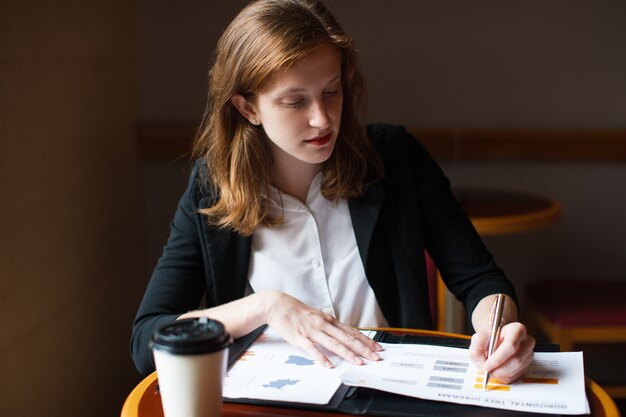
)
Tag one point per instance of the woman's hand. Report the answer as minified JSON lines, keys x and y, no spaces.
{"x":512,"y":356}
{"x":309,"y":328}
{"x":514,"y":348}
{"x":296,"y":322}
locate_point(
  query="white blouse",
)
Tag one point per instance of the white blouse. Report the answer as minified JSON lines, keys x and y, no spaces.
{"x":313,"y":256}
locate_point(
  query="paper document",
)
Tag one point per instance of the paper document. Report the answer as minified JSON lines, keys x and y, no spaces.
{"x":274,"y":370}
{"x":554,"y":382}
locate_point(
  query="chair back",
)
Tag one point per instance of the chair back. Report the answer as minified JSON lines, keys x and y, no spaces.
{"x":433,"y":293}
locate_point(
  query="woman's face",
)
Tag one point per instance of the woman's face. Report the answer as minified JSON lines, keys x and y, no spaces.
{"x":300,"y":109}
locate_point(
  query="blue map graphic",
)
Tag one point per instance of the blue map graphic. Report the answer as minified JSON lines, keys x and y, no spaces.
{"x":299,"y":360}
{"x":280,"y":383}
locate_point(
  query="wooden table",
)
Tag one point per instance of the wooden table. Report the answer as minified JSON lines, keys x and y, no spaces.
{"x":495,"y":212}
{"x":145,"y":401}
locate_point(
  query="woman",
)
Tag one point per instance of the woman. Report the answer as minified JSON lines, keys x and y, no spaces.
{"x":298,"y":217}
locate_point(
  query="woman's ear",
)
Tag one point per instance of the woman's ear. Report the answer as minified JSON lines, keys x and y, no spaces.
{"x":245,"y":108}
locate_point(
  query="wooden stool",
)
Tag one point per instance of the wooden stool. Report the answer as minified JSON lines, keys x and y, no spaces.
{"x":571,"y":312}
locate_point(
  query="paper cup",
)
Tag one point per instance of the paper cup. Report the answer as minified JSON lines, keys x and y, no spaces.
{"x":190,"y":357}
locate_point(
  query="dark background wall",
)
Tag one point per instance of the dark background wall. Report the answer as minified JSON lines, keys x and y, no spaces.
{"x":83,"y":218}
{"x":452,"y":63}
{"x":71,"y":235}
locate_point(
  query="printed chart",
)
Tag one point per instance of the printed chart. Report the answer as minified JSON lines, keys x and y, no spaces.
{"x":274,"y":370}
{"x":554,"y":383}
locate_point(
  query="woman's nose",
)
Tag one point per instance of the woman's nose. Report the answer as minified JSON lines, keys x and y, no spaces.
{"x":319,"y":116}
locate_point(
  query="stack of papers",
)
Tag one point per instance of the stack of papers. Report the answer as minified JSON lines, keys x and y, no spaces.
{"x":274,"y":370}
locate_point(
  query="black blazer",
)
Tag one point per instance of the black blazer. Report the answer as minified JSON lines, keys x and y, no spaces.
{"x":394,"y":221}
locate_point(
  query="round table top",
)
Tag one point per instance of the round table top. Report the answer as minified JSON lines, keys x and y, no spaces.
{"x":145,"y":400}
{"x":495,"y":211}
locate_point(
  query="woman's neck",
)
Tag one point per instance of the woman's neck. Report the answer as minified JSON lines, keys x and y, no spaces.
{"x":295,"y":179}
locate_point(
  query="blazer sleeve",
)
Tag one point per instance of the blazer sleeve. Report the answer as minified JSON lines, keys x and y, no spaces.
{"x":177,"y":283}
{"x":465,"y":264}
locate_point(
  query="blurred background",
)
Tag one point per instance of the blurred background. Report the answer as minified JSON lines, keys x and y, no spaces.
{"x":98,"y":102}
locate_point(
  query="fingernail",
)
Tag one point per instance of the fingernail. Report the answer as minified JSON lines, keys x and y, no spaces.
{"x":358,"y":360}
{"x":378,"y":347}
{"x":328,"y":364}
{"x":375,"y":356}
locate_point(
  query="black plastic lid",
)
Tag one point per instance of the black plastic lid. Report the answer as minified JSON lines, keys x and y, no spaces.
{"x":191,"y":337}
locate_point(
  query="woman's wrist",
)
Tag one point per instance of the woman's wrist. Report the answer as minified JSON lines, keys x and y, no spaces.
{"x":243,"y":315}
{"x":482,"y":313}
{"x":268,"y":300}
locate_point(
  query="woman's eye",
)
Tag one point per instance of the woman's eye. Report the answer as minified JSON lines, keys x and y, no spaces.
{"x":331,"y":93}
{"x":293,"y":104}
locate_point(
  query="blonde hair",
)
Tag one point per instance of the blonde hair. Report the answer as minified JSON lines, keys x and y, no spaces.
{"x":265,"y":37}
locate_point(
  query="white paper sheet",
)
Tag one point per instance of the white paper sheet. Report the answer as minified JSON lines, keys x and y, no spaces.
{"x":554,"y":383}
{"x":274,"y":370}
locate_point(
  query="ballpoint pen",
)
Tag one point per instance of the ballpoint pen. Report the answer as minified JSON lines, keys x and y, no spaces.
{"x":496,"y":319}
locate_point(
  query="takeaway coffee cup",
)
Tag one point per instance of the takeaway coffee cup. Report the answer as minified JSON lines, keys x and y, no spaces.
{"x":190,"y":357}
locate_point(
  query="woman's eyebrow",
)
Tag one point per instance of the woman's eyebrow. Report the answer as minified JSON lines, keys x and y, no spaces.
{"x":335,"y":79}
{"x":291,"y":90}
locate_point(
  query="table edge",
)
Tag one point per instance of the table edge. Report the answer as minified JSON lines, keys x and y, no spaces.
{"x":131,"y":405}
{"x":497,"y":225}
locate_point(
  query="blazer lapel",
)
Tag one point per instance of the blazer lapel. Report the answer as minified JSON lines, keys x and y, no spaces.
{"x":364,"y":212}
{"x":227,"y":258}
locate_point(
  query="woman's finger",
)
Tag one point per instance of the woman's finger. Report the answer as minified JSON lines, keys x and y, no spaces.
{"x":338,"y":348}
{"x":311,"y":349}
{"x":354,"y":340}
{"x":511,"y":337}
{"x":478,"y":349}
{"x":517,"y":365}
{"x":513,"y":355}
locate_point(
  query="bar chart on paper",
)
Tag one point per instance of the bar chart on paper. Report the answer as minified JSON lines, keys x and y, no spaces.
{"x":554,"y":383}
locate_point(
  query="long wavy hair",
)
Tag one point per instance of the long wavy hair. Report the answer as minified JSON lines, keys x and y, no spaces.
{"x":268,"y":36}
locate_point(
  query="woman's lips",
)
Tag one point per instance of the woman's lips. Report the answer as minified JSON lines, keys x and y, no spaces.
{"x":320,"y":140}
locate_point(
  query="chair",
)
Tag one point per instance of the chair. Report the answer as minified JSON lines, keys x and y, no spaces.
{"x":437,"y":301}
{"x":444,"y":320}
{"x":580,"y":312}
